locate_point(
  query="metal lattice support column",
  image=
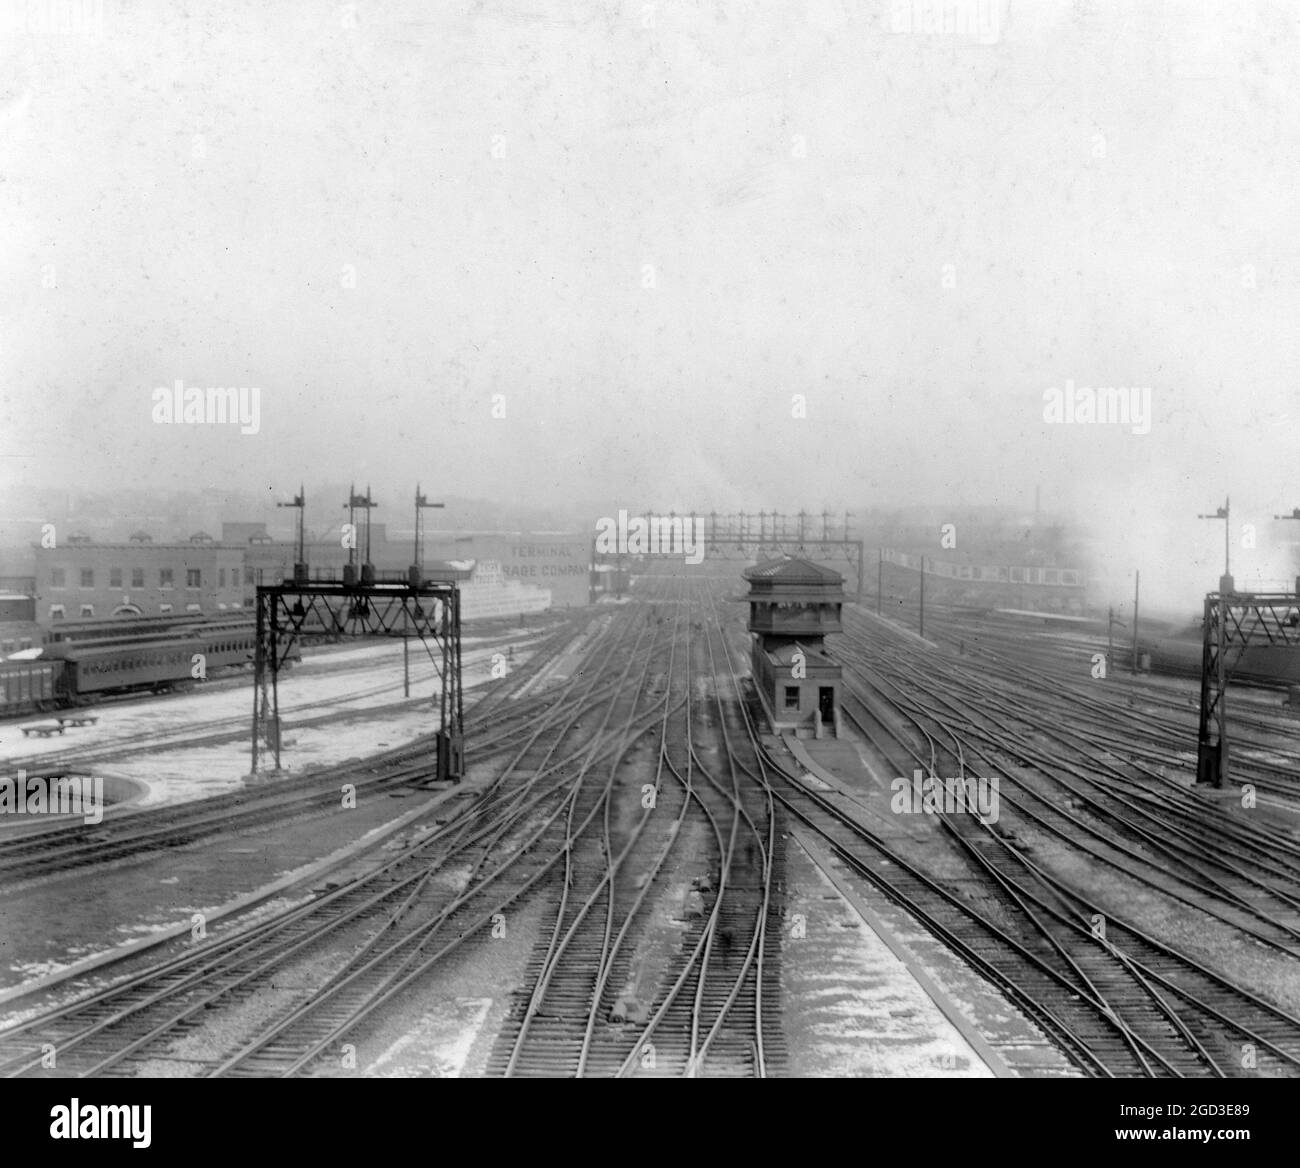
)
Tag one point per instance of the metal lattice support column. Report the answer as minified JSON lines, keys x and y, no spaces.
{"x":428,"y":611}
{"x":1211,"y":736}
{"x":1233,"y":623}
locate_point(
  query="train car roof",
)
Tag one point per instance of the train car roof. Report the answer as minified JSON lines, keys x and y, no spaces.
{"x":1052,"y":616}
{"x":83,"y":650}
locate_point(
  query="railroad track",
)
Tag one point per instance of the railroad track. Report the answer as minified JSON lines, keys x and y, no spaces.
{"x":54,"y":845}
{"x":601,"y":1000}
{"x":1120,"y":1003}
{"x":615,"y":988}
{"x":1135,"y":814}
{"x":219,"y":731}
{"x":1168,"y":710}
{"x":393,"y":923}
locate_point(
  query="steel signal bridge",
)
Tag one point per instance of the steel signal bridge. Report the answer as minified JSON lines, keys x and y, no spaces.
{"x":360,"y":605}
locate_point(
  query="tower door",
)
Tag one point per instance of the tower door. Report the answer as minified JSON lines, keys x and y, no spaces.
{"x":826,"y":704}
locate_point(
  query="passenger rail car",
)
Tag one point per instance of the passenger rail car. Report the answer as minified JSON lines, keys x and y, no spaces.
{"x":100,"y":668}
{"x":74,"y":672}
{"x":135,"y":626}
{"x":227,"y":644}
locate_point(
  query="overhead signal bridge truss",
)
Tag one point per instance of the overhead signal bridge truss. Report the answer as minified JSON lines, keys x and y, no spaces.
{"x":763,"y":535}
{"x":424,"y":610}
{"x":1234,"y":622}
{"x":847,"y":551}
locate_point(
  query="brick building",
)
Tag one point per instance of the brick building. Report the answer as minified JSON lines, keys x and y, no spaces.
{"x":82,"y":578}
{"x":205,"y":576}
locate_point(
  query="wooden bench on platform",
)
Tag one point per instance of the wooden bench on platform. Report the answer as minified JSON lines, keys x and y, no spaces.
{"x":43,"y":729}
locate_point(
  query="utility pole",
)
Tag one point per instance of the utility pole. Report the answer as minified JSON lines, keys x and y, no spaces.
{"x":1111,"y":622}
{"x":922,"y":597}
{"x":350,"y":570}
{"x":369,"y":504}
{"x":417,"y":563}
{"x":300,"y":560}
{"x":354,"y":504}
{"x":1137,"y":587}
{"x":1224,"y":513}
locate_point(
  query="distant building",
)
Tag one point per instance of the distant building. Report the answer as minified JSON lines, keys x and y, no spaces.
{"x":138,"y":578}
{"x":503,"y":572}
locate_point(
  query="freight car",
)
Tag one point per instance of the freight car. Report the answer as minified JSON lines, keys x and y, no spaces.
{"x":29,"y":685}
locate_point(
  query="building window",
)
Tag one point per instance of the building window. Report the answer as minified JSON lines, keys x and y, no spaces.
{"x":791,"y":697}
{"x":221,"y":577}
{"x":193,"y":578}
{"x":165,"y":578}
{"x":137,"y":577}
{"x":87,"y":610}
{"x":58,"y":577}
{"x":88,"y":577}
{"x":248,"y":577}
{"x":56,"y":612}
{"x":164,"y":609}
{"x":115,"y":577}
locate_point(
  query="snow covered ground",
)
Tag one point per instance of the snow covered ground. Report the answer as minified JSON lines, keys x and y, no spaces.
{"x":361,"y":687}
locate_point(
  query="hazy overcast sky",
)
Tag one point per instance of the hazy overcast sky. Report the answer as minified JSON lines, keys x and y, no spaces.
{"x":648,"y":225}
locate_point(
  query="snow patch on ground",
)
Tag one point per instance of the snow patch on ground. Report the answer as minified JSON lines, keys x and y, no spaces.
{"x":371,"y":688}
